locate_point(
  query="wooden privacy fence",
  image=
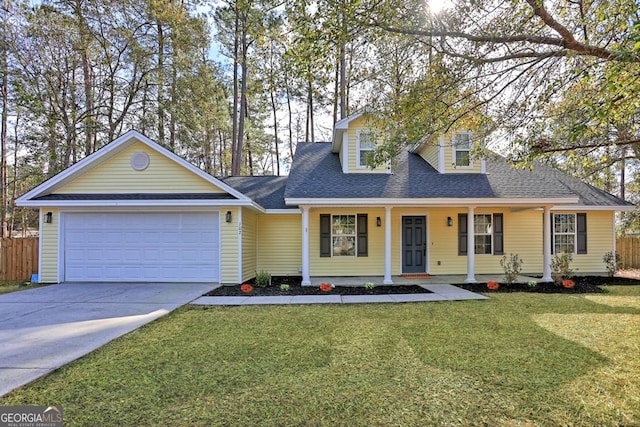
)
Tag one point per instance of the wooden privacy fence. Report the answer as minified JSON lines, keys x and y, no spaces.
{"x":629,"y":250}
{"x":18,"y":258}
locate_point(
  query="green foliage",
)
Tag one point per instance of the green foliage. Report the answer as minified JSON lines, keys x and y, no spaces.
{"x":561,"y":267}
{"x":369,"y":285}
{"x":532,"y":283}
{"x":512,"y":267}
{"x":611,"y":261}
{"x":263,"y":279}
{"x":285,"y":288}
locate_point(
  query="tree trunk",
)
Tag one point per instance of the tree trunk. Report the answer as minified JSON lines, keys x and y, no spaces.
{"x":311,"y":111}
{"x":290,"y":123}
{"x":237,"y":158}
{"x":4,"y":88}
{"x":275,"y":132}
{"x":160,"y":83}
{"x":85,"y":38}
{"x":234,"y":130}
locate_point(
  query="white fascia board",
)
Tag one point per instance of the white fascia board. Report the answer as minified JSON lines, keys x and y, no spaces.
{"x":283,"y":211}
{"x":150,"y":203}
{"x":440,"y":202}
{"x":110,"y":148}
{"x":593,"y":208}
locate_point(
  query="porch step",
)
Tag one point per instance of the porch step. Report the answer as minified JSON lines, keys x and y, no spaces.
{"x":415,"y":276}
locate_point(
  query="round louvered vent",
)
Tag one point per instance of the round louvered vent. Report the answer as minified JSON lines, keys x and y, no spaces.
{"x":139,"y":161}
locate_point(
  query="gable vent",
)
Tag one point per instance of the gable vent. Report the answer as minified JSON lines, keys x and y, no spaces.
{"x":139,"y":161}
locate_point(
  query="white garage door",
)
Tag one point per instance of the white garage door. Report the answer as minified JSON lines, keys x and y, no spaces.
{"x":141,"y":247}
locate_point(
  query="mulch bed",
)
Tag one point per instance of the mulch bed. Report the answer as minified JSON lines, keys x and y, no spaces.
{"x":584,"y":284}
{"x":296,"y":289}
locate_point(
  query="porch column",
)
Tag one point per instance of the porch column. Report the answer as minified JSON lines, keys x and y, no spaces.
{"x":306,"y":279}
{"x":546,"y":245}
{"x":387,"y":246}
{"x":471,"y":247}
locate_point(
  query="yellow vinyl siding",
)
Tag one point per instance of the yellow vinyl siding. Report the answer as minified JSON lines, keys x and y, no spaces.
{"x":49,"y":250}
{"x":599,"y":241}
{"x":431,"y":154}
{"x":229,"y":233}
{"x":280,"y":244}
{"x":373,"y":264}
{"x":115,"y":175}
{"x":449,"y":163}
{"x":442,"y":241}
{"x":363,"y":124}
{"x":249,"y":237}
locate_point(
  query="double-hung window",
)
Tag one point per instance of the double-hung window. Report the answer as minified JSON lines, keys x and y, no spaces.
{"x":462,"y":149}
{"x":483,"y":232}
{"x":344,"y":235}
{"x":366,"y":147}
{"x":488,"y":234}
{"x":570,"y":233}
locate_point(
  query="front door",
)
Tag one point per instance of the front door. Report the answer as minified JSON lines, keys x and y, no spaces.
{"x":414,"y":244}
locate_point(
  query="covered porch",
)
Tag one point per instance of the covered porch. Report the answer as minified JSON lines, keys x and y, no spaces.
{"x":445,"y":279}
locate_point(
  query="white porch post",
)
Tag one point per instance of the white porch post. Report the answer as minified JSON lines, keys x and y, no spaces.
{"x":306,"y":279}
{"x":387,"y":246}
{"x":546,"y":245}
{"x":471,"y":247}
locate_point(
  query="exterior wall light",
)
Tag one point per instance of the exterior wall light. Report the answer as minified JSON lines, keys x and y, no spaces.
{"x":228,"y":216}
{"x":378,"y":221}
{"x":449,"y":221}
{"x":48,"y":217}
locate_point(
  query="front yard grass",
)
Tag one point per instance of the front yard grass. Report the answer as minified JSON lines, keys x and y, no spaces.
{"x":517,"y":359}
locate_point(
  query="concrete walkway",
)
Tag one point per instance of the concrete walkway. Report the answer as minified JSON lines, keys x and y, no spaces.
{"x":45,"y":328}
{"x":442,"y":292}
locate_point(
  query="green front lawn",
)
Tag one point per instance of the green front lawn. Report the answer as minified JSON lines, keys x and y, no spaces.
{"x":517,"y":359}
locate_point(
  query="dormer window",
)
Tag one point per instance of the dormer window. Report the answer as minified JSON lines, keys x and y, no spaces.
{"x":365,"y":148}
{"x":462,"y":149}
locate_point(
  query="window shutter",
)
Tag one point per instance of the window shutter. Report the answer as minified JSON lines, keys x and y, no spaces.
{"x":553,"y":243}
{"x":581,"y":235}
{"x":462,"y":234}
{"x":362,"y":230}
{"x":325,"y":235}
{"x":498,"y":234}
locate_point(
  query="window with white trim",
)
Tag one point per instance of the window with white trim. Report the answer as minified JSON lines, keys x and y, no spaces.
{"x":488,"y":234}
{"x":343,"y":235}
{"x":365,"y":147}
{"x":483,"y":232}
{"x":462,"y":149}
{"x":564,"y":233}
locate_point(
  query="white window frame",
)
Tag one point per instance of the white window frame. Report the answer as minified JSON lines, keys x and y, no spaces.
{"x":336,"y":235}
{"x":454,"y":144}
{"x":359,"y":134}
{"x":488,"y":232}
{"x":573,"y":233}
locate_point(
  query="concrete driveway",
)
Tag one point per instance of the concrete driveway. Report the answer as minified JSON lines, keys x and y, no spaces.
{"x":45,"y":328}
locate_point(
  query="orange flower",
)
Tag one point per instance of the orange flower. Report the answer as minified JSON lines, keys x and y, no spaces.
{"x":326,"y":287}
{"x":568,"y":283}
{"x":493,"y":286}
{"x":246,"y":288}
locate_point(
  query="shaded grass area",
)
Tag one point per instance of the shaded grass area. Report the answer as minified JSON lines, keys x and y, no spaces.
{"x":7,"y":286}
{"x":516,"y":359}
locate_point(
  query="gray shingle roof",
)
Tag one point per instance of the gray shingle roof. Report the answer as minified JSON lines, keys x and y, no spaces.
{"x":316,"y":173}
{"x":267,"y":191}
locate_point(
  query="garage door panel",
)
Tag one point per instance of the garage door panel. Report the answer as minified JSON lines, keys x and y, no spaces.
{"x":141,"y":247}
